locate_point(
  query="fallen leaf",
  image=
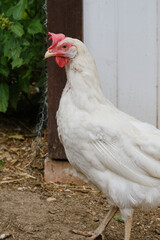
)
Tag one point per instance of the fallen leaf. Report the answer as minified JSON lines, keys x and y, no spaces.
{"x":13,"y":149}
{"x":17,"y":136}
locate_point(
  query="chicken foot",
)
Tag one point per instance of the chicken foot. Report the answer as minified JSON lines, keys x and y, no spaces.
{"x":100,"y":230}
{"x":128,"y":226}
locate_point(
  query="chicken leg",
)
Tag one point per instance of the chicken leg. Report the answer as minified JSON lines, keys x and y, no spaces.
{"x":128,"y":226}
{"x":100,"y":230}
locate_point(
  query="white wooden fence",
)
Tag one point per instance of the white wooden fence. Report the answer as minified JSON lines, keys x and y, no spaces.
{"x":123,"y":37}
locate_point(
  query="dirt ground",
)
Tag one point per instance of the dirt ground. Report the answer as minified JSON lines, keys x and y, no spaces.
{"x":31,"y":209}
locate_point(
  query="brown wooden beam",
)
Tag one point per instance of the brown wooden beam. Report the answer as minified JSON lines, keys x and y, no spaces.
{"x":63,"y":16}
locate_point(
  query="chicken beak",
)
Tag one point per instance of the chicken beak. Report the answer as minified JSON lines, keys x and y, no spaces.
{"x":49,"y":54}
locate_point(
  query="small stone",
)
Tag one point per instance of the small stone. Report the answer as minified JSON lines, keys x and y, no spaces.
{"x":22,"y":188}
{"x":68,"y":196}
{"x":104,"y":197}
{"x":52,"y":212}
{"x":67,"y":190}
{"x":51,"y":199}
{"x":96,"y":219}
{"x":5,"y":235}
{"x":93,"y":213}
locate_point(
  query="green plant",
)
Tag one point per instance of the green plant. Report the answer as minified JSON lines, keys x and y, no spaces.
{"x":21,"y":49}
{"x":2,"y":163}
{"x":118,"y":218}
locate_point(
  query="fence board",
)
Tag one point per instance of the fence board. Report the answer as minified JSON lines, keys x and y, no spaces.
{"x":63,"y":16}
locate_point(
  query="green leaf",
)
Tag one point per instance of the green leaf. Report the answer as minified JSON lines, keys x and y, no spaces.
{"x":24,"y":85}
{"x":27,"y":73}
{"x":29,"y":58}
{"x":10,"y":11}
{"x":2,"y":163}
{"x":41,"y":83}
{"x":18,"y":10}
{"x":18,"y":49}
{"x":4,"y":71}
{"x":7,"y":48}
{"x":25,"y":43}
{"x":15,"y":50}
{"x":17,"y":136}
{"x":12,"y":50}
{"x":17,"y":62}
{"x":118,"y":217}
{"x":4,"y":97}
{"x":14,"y":95}
{"x":35,"y":26}
{"x":17,"y":29}
{"x":3,"y":60}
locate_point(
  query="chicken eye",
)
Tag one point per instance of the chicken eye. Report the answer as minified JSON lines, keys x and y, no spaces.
{"x":64,"y":46}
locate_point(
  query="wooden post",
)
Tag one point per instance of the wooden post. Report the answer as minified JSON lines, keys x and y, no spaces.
{"x":63,"y":16}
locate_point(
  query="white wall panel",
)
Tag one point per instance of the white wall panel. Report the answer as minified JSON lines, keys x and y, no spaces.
{"x":158,"y":63}
{"x":100,"y":36}
{"x":137,"y":66}
{"x":122,"y":35}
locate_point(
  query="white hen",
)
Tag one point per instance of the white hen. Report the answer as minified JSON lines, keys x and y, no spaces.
{"x":108,"y":148}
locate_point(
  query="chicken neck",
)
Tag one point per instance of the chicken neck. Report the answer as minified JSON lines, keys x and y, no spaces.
{"x":83,"y":82}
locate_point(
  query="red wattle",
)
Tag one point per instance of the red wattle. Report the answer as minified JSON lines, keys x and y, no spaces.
{"x":61,"y":61}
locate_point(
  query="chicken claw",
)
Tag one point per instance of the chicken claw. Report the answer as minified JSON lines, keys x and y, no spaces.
{"x":101,"y":229}
{"x":100,"y":236}
{"x":90,"y":235}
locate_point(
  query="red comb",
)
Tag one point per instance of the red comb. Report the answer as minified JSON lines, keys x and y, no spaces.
{"x":55,"y":38}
